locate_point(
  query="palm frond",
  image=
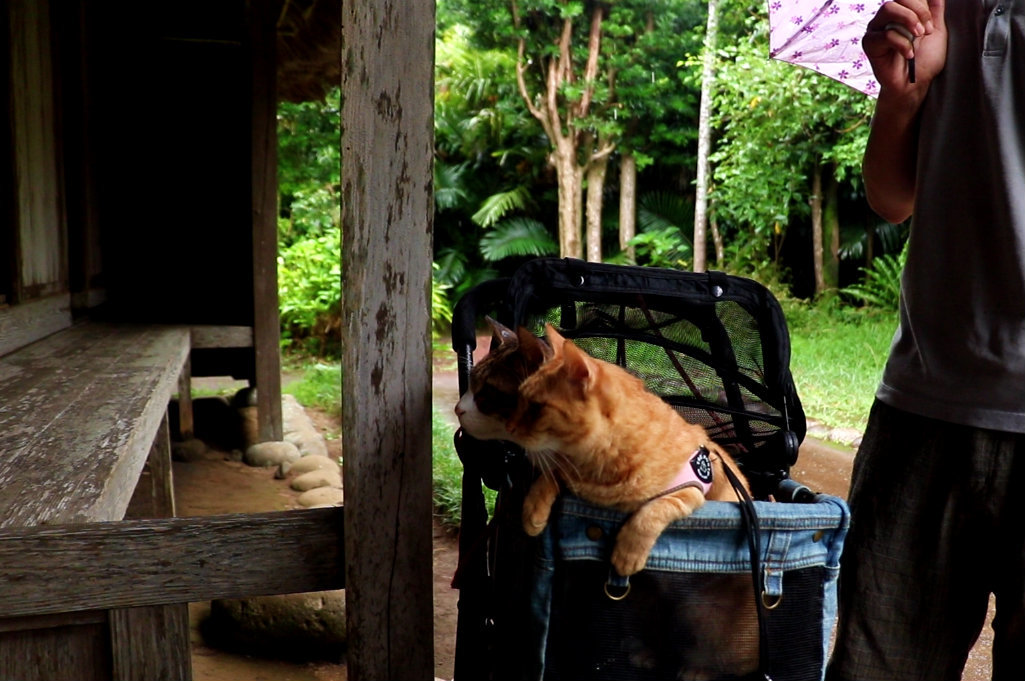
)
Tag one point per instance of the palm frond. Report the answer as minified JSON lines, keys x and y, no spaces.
{"x":450,"y":266}
{"x":881,"y":284}
{"x":497,"y":206}
{"x":658,"y":211}
{"x":517,"y":237}
{"x":449,"y":185}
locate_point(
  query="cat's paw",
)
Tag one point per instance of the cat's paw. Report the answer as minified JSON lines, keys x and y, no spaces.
{"x":535,"y":517}
{"x":630,"y":554}
{"x":537,"y":506}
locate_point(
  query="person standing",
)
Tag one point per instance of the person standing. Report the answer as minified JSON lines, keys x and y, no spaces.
{"x":938,"y":488}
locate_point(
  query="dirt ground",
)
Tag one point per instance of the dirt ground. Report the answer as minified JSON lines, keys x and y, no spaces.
{"x":214,"y":484}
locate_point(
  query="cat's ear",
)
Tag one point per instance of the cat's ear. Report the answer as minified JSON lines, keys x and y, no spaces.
{"x":554,"y":338}
{"x":536,"y":351}
{"x":577,"y":366}
{"x":501,"y":333}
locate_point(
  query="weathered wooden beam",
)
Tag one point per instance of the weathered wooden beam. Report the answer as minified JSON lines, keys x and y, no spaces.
{"x":212,"y":336}
{"x":131,"y":563}
{"x":266,"y":319}
{"x":387,"y":225}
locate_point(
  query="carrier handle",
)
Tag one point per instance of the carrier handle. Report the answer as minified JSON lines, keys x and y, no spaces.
{"x":468,"y":310}
{"x":472,"y":307}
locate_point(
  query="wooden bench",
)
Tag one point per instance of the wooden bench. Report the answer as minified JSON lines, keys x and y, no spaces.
{"x":84,"y":593}
{"x":80,"y":415}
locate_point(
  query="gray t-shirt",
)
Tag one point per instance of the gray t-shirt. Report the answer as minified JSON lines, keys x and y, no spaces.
{"x":959,"y":354}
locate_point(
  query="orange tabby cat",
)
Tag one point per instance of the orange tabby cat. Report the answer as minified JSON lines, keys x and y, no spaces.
{"x":613,"y":443}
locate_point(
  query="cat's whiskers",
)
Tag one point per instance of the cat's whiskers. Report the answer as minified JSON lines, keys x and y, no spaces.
{"x":549,"y":463}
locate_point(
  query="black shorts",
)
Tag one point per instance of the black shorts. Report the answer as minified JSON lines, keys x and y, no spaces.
{"x":938,"y":523}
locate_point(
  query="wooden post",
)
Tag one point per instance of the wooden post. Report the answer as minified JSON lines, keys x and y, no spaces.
{"x":387,"y":224}
{"x":186,"y":416}
{"x":266,"y":319}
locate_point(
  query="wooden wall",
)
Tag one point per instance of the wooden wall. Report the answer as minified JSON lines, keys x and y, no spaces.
{"x":34,"y":298}
{"x":33,"y":115}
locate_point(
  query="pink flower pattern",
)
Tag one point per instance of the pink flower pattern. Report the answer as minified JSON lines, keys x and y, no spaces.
{"x":825,"y":36}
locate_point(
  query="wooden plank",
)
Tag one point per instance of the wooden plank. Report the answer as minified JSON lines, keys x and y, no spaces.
{"x":28,"y":322}
{"x":154,"y":492}
{"x":266,"y":320}
{"x":67,"y":653}
{"x":131,"y":563}
{"x":151,"y":643}
{"x":78,"y":413}
{"x":186,"y":417}
{"x":71,"y":619}
{"x":387,"y":222}
{"x":209,"y":336}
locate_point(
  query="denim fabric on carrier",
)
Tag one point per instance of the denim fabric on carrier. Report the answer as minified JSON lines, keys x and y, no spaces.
{"x":690,"y":613}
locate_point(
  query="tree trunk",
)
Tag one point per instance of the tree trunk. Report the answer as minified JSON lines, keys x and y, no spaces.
{"x":595,"y":189}
{"x":816,"y":229}
{"x":720,"y":248}
{"x":568,"y":177}
{"x":705,"y":136}
{"x":560,"y":125}
{"x":831,"y":235}
{"x":627,"y":204}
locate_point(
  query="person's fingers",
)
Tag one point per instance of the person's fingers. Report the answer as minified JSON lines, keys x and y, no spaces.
{"x":915,"y":15}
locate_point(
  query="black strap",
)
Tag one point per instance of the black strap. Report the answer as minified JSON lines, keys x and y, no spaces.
{"x":749,"y":519}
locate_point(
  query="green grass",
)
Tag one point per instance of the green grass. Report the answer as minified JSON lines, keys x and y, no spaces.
{"x":837,"y":358}
{"x":448,"y":474}
{"x":319,"y":386}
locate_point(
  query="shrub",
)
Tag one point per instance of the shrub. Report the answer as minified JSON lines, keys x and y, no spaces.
{"x":310,"y":292}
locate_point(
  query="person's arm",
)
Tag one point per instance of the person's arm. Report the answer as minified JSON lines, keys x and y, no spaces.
{"x":889,"y":163}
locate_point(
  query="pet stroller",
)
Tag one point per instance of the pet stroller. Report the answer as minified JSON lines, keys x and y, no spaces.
{"x":736,"y":591}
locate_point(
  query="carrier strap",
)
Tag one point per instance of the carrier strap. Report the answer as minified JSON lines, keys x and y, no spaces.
{"x":749,"y":518}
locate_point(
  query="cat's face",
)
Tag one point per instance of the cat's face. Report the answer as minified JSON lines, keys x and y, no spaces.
{"x":486,"y":407}
{"x":562,"y":404}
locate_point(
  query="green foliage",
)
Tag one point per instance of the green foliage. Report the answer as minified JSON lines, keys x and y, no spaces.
{"x":441,"y":306}
{"x":498,"y":205}
{"x":515,"y":237}
{"x":880,"y":286}
{"x":666,"y":247}
{"x":310,"y":293}
{"x":320,"y":386}
{"x":660,"y":210}
{"x":309,"y":167}
{"x":309,"y":224}
{"x":777,"y":124}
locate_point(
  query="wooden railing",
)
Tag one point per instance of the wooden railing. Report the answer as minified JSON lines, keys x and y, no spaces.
{"x":84,"y":593}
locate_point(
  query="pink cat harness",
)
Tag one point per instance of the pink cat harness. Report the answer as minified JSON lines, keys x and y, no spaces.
{"x":696,"y":473}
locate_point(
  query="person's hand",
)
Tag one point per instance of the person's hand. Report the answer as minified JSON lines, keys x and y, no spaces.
{"x":888,"y":49}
